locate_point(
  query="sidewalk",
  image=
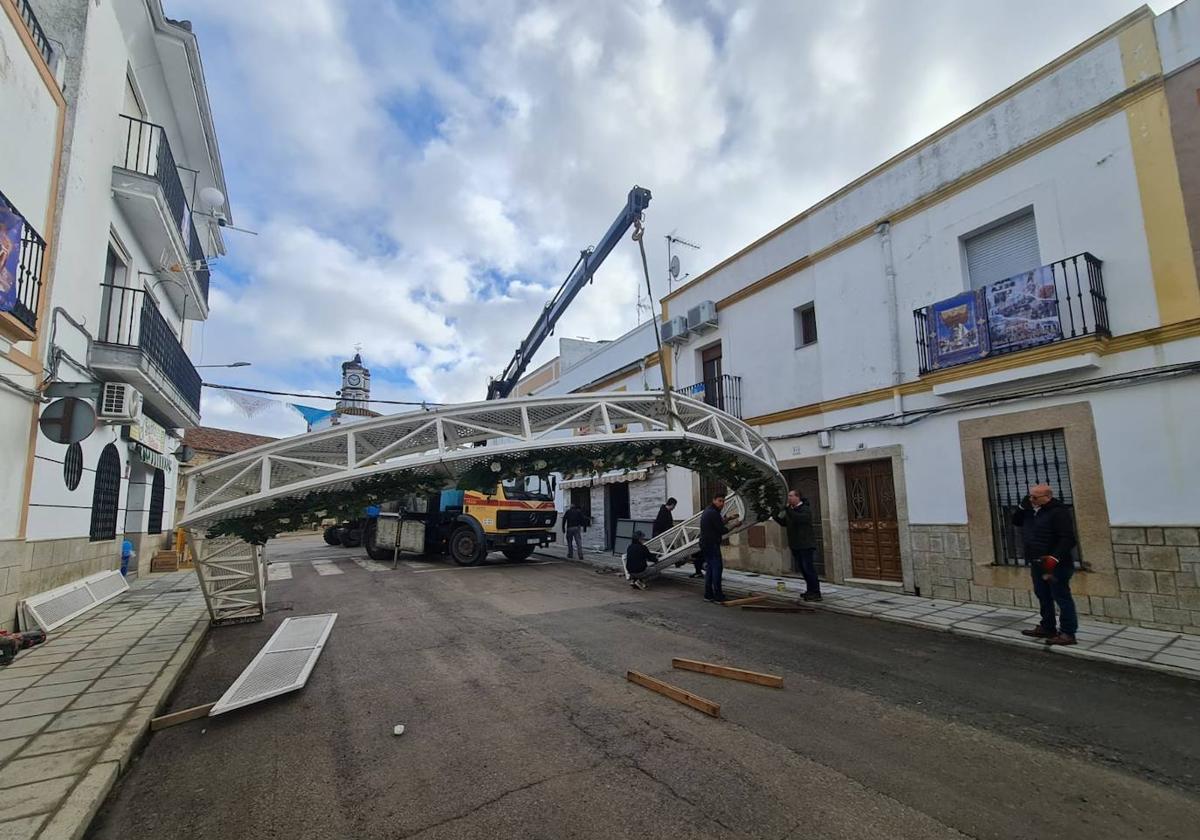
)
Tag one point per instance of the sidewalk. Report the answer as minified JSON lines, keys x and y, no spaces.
{"x":1155,"y":650}
{"x":74,"y":709}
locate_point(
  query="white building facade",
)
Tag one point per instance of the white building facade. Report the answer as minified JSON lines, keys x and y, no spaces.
{"x":1012,"y":300}
{"x":133,"y":194}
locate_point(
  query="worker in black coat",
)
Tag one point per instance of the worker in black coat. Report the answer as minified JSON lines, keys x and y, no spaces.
{"x":665,"y":520}
{"x":1048,"y":538}
{"x":574,"y":522}
{"x":637,"y":559}
{"x":797,"y":519}
{"x":713,"y":527}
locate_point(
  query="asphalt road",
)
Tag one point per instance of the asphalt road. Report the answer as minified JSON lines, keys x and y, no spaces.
{"x":520,"y":724}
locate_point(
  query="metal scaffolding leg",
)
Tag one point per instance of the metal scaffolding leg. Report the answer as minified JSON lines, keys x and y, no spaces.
{"x":232,"y":577}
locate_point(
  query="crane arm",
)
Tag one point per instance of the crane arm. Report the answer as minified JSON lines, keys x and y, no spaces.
{"x":581,"y":275}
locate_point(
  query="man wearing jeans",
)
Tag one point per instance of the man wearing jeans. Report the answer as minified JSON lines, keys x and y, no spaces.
{"x":713,"y":527}
{"x":1048,"y":536}
{"x":573,"y":523}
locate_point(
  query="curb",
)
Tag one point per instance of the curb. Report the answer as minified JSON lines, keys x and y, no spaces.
{"x":1051,"y":650}
{"x":79,"y":808}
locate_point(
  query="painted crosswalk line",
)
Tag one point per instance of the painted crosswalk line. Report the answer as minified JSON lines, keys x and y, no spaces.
{"x":279,"y":571}
{"x":326,"y":567}
{"x":370,"y":565}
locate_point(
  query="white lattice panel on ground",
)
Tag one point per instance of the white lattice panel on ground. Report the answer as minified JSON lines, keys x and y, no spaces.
{"x":54,"y":608}
{"x":282,"y":665}
{"x":232,"y":577}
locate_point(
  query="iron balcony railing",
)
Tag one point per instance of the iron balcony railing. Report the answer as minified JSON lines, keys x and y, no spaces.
{"x":723,"y":392}
{"x":35,"y":30}
{"x":130,"y":318}
{"x":28,"y":279}
{"x":1059,"y":302}
{"x":147,"y":152}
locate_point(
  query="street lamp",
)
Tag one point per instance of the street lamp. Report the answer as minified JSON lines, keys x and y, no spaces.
{"x":230,"y":365}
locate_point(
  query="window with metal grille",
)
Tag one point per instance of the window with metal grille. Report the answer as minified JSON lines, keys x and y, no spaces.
{"x":1014,"y":464}
{"x":106,"y":495}
{"x":73,"y":466}
{"x":805,"y":318}
{"x":158,"y":492}
{"x":1003,"y":250}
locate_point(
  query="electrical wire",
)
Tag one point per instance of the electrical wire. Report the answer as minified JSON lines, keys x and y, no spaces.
{"x":908,"y":418}
{"x":422,"y":404}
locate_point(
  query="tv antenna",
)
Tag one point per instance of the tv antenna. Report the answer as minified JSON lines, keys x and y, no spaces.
{"x":673,"y":261}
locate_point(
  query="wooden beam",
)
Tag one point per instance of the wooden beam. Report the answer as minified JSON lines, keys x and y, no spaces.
{"x":794,"y":608}
{"x":163,"y":721}
{"x":753,"y":599}
{"x":677,"y":694}
{"x":727,"y":672}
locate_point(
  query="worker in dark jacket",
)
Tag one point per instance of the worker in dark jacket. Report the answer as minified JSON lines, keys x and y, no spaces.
{"x":713,"y":526}
{"x":797,"y":518}
{"x":1048,"y":537}
{"x":665,"y":520}
{"x":573,"y":523}
{"x":637,"y":558}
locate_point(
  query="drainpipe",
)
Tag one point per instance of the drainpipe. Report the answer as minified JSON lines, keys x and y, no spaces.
{"x":884,"y":229}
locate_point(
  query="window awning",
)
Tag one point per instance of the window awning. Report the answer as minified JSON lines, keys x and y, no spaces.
{"x":610,"y":477}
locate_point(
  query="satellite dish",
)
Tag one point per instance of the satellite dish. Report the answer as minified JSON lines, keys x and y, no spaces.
{"x":68,"y":420}
{"x":674,"y":266}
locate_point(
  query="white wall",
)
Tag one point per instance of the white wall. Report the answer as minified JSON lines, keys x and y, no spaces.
{"x":1178,"y":34}
{"x":28,"y":141}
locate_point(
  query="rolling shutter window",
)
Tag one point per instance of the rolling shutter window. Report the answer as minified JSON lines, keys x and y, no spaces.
{"x":1001,"y":252}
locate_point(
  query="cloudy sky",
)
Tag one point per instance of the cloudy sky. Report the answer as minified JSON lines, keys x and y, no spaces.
{"x":423,"y":175}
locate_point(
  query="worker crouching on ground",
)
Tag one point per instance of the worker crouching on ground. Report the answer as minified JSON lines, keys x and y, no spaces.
{"x":637,"y":559}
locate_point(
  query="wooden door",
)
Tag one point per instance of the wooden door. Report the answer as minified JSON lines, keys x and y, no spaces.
{"x":874,"y":527}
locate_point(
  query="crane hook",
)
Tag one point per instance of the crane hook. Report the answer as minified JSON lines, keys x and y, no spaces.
{"x":638,"y":230}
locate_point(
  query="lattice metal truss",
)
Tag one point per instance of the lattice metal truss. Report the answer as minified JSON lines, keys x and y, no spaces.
{"x":442,"y":445}
{"x":232,"y":577}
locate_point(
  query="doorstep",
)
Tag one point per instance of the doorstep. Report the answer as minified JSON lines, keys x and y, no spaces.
{"x":75,"y":709}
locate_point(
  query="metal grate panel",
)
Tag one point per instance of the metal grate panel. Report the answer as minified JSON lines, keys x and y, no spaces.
{"x":58,"y":606}
{"x":282,"y":665}
{"x":106,"y":585}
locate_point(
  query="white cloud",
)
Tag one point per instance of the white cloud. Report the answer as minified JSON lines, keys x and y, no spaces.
{"x":424,"y":179}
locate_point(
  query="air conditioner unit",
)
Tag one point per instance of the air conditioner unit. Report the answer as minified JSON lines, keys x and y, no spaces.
{"x":702,"y":318}
{"x":675,"y":330}
{"x":118,"y":404}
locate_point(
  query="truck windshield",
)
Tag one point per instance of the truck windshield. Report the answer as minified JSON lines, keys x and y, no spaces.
{"x":527,"y":490}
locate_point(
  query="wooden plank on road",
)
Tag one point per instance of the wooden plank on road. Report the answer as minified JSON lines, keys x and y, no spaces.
{"x":163,"y":721}
{"x":753,"y":599}
{"x":794,"y":608}
{"x":727,"y":672}
{"x":676,"y":693}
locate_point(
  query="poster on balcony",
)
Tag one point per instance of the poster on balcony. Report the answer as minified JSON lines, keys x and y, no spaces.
{"x":1023,"y":311}
{"x":957,"y":330}
{"x":11,"y":225}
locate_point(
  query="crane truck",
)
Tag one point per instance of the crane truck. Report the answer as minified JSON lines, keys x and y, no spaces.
{"x":518,"y":516}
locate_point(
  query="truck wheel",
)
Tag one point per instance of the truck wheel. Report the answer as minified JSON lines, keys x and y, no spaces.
{"x":375,"y":552}
{"x":465,"y":547}
{"x":332,"y":535}
{"x":516,"y":555}
{"x":352,"y":537}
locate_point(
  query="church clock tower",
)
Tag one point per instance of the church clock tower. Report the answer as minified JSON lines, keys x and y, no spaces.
{"x":356,"y":388}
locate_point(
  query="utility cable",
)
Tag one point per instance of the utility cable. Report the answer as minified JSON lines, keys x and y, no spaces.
{"x":422,"y":404}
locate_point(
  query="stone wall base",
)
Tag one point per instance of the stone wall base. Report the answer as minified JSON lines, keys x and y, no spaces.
{"x":27,"y":568}
{"x":1155,"y":582}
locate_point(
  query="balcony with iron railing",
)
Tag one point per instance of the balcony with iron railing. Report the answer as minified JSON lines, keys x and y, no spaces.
{"x":1060,"y":302}
{"x":723,"y":392}
{"x":22,"y":258}
{"x":40,"y":41}
{"x":146,"y":177}
{"x":136,"y":344}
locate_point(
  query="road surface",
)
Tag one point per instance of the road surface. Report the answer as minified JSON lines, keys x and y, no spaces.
{"x":510,"y":680}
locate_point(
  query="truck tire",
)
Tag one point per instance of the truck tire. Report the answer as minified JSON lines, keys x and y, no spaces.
{"x":375,"y":552}
{"x":518,"y":555}
{"x":466,"y":547}
{"x":333,"y":535}
{"x":352,"y":537}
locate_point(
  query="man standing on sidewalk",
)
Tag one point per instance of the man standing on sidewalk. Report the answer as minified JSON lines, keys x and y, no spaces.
{"x":573,"y":523}
{"x":713,"y":527}
{"x":797,"y":518}
{"x":1048,"y":535}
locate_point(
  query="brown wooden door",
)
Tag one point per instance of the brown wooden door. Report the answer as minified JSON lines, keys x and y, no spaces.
{"x":874,"y":529}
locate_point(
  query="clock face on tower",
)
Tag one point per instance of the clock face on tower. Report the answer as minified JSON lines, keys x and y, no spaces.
{"x":354,"y":380}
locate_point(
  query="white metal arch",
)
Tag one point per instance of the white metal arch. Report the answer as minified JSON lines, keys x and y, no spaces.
{"x":441,"y":445}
